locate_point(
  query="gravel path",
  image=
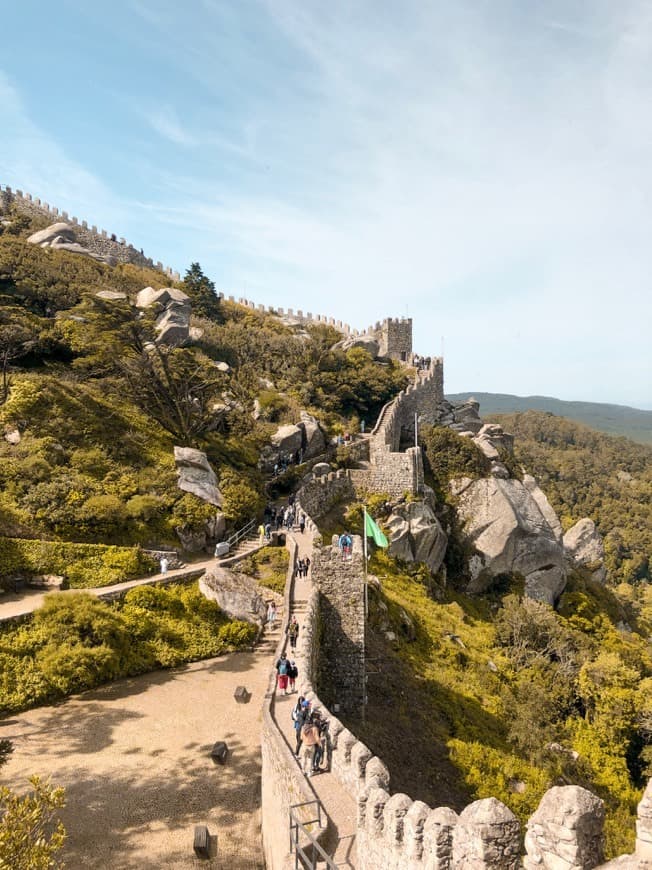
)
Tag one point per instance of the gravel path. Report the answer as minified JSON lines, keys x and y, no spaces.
{"x":134,"y":758}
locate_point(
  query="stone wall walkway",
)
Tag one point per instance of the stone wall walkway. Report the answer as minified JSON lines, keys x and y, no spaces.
{"x":339,"y":806}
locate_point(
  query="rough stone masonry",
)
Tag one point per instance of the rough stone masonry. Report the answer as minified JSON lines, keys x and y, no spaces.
{"x":341,"y":614}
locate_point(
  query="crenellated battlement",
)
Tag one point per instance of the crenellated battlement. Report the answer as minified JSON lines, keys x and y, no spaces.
{"x":98,"y":241}
{"x":393,"y":831}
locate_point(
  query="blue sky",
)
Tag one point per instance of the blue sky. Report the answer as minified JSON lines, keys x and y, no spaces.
{"x":484,"y":166}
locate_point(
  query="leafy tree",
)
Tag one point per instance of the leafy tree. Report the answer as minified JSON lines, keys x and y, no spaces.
{"x":16,"y":340}
{"x":30,"y":834}
{"x":201,"y":290}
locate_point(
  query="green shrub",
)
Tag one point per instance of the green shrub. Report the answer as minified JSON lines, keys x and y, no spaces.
{"x":449,"y":455}
{"x":83,"y":565}
{"x":76,"y":642}
{"x":238,"y":634}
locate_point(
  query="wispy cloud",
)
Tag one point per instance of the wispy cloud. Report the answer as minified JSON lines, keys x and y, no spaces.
{"x":166,"y":123}
{"x":487,"y":165}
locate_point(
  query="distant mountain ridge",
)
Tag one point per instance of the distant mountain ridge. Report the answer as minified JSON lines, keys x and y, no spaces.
{"x":633,"y":423}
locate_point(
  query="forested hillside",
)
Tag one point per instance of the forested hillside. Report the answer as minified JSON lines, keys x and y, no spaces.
{"x":92,"y":405}
{"x":587,"y":474}
{"x":633,"y":423}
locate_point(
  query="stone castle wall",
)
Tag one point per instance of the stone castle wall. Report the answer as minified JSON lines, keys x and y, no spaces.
{"x":340,"y":668}
{"x":317,"y":496}
{"x":282,"y":782}
{"x":394,"y":335}
{"x":391,"y":470}
{"x":395,"y":832}
{"x":98,"y":241}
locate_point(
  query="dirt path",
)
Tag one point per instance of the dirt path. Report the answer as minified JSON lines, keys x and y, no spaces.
{"x":134,"y":758}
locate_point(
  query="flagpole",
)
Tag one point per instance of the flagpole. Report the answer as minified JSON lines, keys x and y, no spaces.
{"x":366,"y":611}
{"x":364,"y":551}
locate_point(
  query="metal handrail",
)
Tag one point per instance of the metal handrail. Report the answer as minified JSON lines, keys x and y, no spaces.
{"x":241,"y":533}
{"x":308,"y":861}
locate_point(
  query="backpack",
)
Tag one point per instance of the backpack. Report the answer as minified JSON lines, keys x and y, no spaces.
{"x":283,"y":667}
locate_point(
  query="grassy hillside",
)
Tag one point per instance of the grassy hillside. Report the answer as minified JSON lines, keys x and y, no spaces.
{"x":494,"y":695}
{"x":614,"y":419}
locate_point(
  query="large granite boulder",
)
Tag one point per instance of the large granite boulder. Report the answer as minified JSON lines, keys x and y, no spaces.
{"x":60,"y":230}
{"x":196,"y":475}
{"x":544,"y":505}
{"x":173,"y":321}
{"x":111,"y":295}
{"x":173,"y":324}
{"x":467,"y":414}
{"x":237,"y":594}
{"x":288,"y":439}
{"x":61,"y":236}
{"x":366,"y":342}
{"x":415,"y":535}
{"x":204,"y":538}
{"x":163,"y":297}
{"x":509,"y":533}
{"x":584,"y":548}
{"x":313,"y":441}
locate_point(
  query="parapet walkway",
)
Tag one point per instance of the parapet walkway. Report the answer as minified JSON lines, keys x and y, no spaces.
{"x":338,"y":804}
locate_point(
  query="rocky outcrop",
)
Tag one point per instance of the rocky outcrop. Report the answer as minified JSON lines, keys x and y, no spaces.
{"x":287,"y":439}
{"x":111,"y":295}
{"x":544,"y":505}
{"x":61,"y":236}
{"x":415,"y":535}
{"x":584,"y":548}
{"x":305,"y":438}
{"x":313,"y":441}
{"x":196,"y":475}
{"x":237,"y":594}
{"x":565,"y":831}
{"x":509,"y":533}
{"x":173,"y":321}
{"x":365,"y":342}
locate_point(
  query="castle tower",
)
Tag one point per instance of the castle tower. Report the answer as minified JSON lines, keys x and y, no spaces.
{"x":395,"y":338}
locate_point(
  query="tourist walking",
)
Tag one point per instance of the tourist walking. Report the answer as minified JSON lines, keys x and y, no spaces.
{"x":306,"y":566}
{"x":293,"y":673}
{"x":293,"y":632}
{"x":309,"y":740}
{"x":300,"y":715}
{"x":282,"y":667}
{"x":164,"y":565}
{"x":261,"y":534}
{"x":271,"y":614}
{"x":302,"y":523}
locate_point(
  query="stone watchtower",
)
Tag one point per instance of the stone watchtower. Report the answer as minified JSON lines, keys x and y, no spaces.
{"x":394,"y":336}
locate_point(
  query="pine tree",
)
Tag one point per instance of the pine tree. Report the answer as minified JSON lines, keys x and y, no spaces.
{"x":201,"y":290}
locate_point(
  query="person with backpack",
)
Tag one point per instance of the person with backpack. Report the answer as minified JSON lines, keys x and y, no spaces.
{"x":300,"y":715}
{"x":282,"y":667}
{"x":320,"y":749}
{"x":293,"y":673}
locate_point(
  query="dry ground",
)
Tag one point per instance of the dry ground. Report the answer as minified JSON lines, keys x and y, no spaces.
{"x":134,"y":758}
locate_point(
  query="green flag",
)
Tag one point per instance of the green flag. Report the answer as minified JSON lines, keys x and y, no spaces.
{"x":372,"y":531}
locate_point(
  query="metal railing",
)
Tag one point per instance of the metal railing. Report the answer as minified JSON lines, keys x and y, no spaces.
{"x":244,"y":532}
{"x":309,"y":855}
